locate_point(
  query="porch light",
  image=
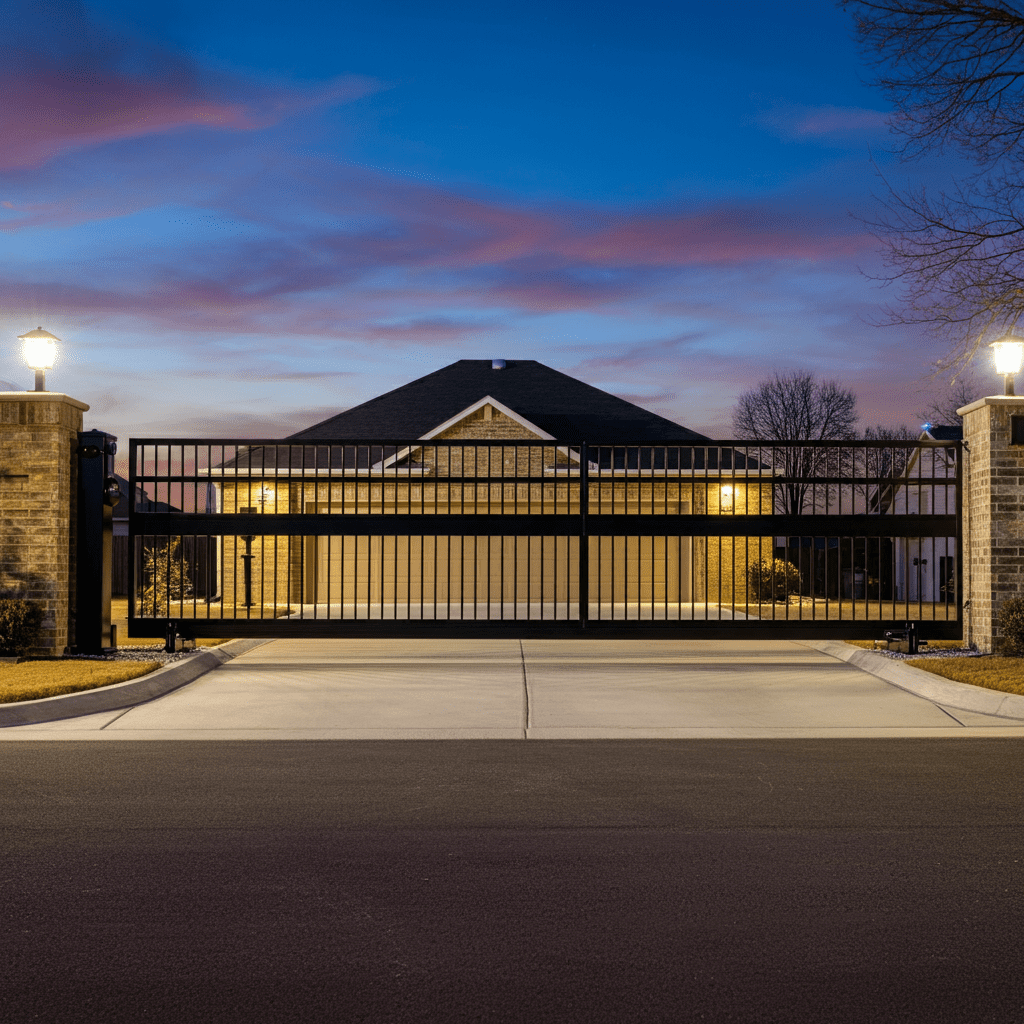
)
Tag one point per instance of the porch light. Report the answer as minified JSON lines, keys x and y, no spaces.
{"x":40,"y":352}
{"x":1007,"y":353}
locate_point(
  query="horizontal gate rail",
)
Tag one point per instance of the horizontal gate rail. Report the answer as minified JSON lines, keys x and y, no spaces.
{"x":523,"y":537}
{"x":468,"y":525}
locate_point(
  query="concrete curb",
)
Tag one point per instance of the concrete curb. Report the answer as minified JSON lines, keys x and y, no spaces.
{"x":935,"y":688}
{"x":124,"y":695}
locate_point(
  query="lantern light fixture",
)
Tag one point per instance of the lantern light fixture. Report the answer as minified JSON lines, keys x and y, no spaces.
{"x":40,"y":351}
{"x":1006,"y":353}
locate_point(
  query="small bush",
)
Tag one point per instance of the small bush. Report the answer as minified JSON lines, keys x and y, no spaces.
{"x":167,"y":579}
{"x":772,"y":579}
{"x":1011,"y":627}
{"x":20,"y":622}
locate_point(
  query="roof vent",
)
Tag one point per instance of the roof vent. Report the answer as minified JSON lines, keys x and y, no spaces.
{"x":497,"y":364}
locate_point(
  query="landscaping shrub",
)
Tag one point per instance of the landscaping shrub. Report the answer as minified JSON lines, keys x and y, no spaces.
{"x":1011,"y":627}
{"x":20,"y":622}
{"x":166,"y":575}
{"x":773,"y":579}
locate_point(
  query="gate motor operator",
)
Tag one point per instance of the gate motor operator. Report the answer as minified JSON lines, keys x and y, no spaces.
{"x":98,"y":493}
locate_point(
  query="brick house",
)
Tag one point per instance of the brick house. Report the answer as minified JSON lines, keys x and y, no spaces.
{"x":527,"y":405}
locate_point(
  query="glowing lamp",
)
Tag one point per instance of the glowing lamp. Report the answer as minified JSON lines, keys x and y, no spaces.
{"x":726,"y":501}
{"x":40,"y":350}
{"x":1007,"y":352}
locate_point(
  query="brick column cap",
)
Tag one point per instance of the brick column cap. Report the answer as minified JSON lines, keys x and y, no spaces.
{"x":980,"y":403}
{"x":43,"y":396}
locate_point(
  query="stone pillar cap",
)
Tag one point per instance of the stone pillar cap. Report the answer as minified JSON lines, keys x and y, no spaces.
{"x":42,"y":396}
{"x":980,"y":403}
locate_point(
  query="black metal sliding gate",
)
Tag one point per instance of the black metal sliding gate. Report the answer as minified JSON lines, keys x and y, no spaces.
{"x":489,"y":538}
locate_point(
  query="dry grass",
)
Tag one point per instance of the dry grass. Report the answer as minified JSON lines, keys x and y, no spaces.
{"x":34,"y":679}
{"x":991,"y":672}
{"x":933,"y":645}
{"x":119,"y":618}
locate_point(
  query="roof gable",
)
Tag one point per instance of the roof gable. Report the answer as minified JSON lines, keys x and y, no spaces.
{"x":559,"y":406}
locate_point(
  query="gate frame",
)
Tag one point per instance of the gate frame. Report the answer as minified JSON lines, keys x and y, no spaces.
{"x":582,"y":525}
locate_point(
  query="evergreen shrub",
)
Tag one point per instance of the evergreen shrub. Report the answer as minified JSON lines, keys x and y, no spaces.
{"x":1011,"y":627}
{"x":20,"y":622}
{"x":773,"y":579}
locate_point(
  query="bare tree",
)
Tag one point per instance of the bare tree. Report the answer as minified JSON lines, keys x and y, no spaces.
{"x":883,"y":465}
{"x":954,"y":72}
{"x":943,"y":409}
{"x":798,"y":407}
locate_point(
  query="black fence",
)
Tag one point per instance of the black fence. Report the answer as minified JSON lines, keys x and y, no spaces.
{"x":542,"y":538}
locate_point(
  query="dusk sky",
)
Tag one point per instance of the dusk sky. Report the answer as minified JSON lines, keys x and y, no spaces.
{"x":244,"y":218}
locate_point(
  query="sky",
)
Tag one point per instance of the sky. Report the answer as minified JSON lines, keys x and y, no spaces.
{"x":241,"y":219}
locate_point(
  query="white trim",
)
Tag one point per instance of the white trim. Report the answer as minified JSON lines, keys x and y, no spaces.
{"x":543,"y":435}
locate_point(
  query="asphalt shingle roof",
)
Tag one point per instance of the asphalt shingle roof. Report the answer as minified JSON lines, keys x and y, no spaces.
{"x":561,"y":405}
{"x":947,"y":433}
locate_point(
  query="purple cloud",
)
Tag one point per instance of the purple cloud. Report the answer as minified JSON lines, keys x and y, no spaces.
{"x":795,"y":121}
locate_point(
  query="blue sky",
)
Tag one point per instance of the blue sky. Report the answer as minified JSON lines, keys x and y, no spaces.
{"x":243,"y":218}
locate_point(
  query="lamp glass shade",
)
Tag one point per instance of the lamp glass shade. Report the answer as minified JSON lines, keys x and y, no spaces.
{"x":1007,"y":354}
{"x":40,"y":353}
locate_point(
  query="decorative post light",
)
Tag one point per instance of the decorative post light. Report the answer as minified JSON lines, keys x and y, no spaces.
{"x":1007,"y":353}
{"x":40,"y":351}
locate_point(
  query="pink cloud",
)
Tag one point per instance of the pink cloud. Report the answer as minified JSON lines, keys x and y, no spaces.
{"x":424,"y":330}
{"x":725,"y":235}
{"x":51,"y":107}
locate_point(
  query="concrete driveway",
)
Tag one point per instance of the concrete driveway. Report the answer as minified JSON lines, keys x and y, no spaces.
{"x":507,"y":689}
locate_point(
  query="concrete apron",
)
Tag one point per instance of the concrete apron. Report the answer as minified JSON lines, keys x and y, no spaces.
{"x":534,"y":689}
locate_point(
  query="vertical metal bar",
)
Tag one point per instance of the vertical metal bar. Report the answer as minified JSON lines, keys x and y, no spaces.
{"x":583,"y":583}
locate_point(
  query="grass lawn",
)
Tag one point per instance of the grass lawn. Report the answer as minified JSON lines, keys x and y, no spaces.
{"x":868,"y":611}
{"x":119,"y":618}
{"x":34,"y":679}
{"x":990,"y":671}
{"x":993,"y":672}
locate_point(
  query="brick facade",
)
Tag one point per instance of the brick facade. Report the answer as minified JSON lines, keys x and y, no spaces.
{"x":38,"y":437}
{"x":993,"y":515}
{"x":368,"y":570}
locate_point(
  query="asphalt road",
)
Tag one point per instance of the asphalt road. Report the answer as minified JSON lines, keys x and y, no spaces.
{"x":746,"y":880}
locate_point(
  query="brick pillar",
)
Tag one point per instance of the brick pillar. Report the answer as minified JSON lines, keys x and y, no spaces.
{"x":38,"y":438}
{"x":993,"y":513}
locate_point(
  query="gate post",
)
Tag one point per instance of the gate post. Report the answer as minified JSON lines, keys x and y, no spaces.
{"x":38,"y":466}
{"x":97,"y":494}
{"x":993,"y":512}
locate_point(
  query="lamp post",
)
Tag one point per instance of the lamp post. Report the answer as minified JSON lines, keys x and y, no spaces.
{"x":1007,"y":353}
{"x":40,"y":351}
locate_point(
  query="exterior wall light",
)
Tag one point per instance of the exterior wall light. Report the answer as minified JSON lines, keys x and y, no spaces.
{"x":40,"y":350}
{"x":1007,"y":355}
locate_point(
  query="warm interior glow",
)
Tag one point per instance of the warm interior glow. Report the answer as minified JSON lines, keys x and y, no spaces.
{"x":1007,"y":354}
{"x":40,"y":353}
